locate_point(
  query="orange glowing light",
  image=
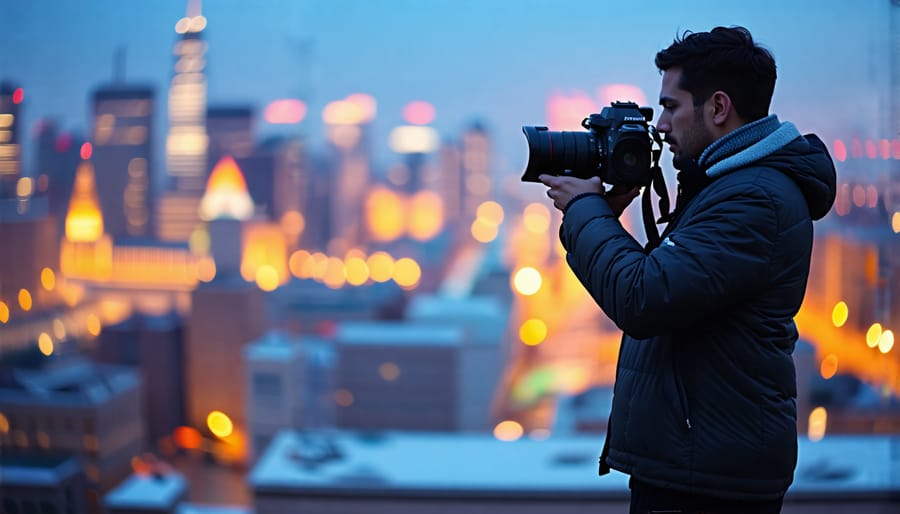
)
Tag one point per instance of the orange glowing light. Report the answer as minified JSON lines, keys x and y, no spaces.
{"x":533,"y":332}
{"x":508,"y":430}
{"x":206,"y":269}
{"x":426,"y":215}
{"x":895,"y":222}
{"x":293,"y":223}
{"x":335,"y":275}
{"x":297,"y":264}
{"x":25,"y":300}
{"x":219,"y":424}
{"x":385,"y":214}
{"x":418,"y":113}
{"x":818,"y":422}
{"x":366,"y":104}
{"x":187,"y":437}
{"x":45,"y":344}
{"x":18,"y":95}
{"x":24,"y":187}
{"x":829,"y":366}
{"x":59,"y":329}
{"x":343,"y":397}
{"x":353,"y":110}
{"x":226,"y":193}
{"x":4,"y":312}
{"x":48,"y":279}
{"x":389,"y":371}
{"x":286,"y":111}
{"x":357,"y":271}
{"x":87,"y":150}
{"x":4,"y":424}
{"x":839,"y":150}
{"x":839,"y":314}
{"x":536,"y":218}
{"x":267,"y":278}
{"x":93,"y":325}
{"x":527,"y":281}
{"x":381,"y":266}
{"x":483,"y":232}
{"x":491,"y":212}
{"x":84,"y":221}
{"x":407,"y":273}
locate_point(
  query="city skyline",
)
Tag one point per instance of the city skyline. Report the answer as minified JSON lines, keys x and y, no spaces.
{"x":498,"y":63}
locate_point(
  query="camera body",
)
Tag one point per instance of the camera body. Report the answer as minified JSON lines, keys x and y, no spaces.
{"x":617,"y":147}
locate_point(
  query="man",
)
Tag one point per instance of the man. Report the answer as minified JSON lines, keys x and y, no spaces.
{"x":704,"y":415}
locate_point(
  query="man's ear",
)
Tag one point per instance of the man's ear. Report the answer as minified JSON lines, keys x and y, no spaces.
{"x":722,"y":110}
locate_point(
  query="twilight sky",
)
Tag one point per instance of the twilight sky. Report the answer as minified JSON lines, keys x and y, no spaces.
{"x":492,"y":60}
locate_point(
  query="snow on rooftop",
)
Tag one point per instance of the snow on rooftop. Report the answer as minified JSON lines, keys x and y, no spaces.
{"x":148,"y":492}
{"x":410,"y":463}
{"x":398,"y":333}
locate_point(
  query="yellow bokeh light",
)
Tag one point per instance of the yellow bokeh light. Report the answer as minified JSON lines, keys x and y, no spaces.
{"x":93,"y":325}
{"x":335,"y":273}
{"x":4,"y":424}
{"x":895,"y":222}
{"x":508,"y":430}
{"x":267,"y":278}
{"x":319,"y":265}
{"x":48,"y":279}
{"x":407,"y":273}
{"x":389,"y":371}
{"x":426,"y":215}
{"x":4,"y":312}
{"x":491,"y":212}
{"x":527,"y":281}
{"x":829,"y":366}
{"x":385,"y":214}
{"x":24,"y":300}
{"x":533,"y":332}
{"x":381,"y":266}
{"x":219,"y":423}
{"x":818,"y":422}
{"x":25,"y":187}
{"x":873,"y":334}
{"x":45,"y":344}
{"x":839,"y":314}
{"x":357,"y":271}
{"x":483,"y":232}
{"x":536,"y":218}
{"x":886,"y":341}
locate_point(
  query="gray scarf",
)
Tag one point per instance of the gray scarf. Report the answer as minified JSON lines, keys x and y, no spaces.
{"x":746,"y":145}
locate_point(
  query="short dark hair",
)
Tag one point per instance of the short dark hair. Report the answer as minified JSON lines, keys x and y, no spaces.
{"x":723,"y":59}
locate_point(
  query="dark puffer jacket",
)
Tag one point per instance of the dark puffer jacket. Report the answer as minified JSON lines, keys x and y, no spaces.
{"x":705,"y":387}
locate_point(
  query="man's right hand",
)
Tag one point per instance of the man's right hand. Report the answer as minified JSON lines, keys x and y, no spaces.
{"x":619,"y":197}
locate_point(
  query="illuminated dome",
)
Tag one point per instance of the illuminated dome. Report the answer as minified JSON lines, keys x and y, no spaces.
{"x":226,"y":193}
{"x":84,"y":221}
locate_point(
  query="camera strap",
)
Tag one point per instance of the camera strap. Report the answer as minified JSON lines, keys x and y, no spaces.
{"x":658,"y":186}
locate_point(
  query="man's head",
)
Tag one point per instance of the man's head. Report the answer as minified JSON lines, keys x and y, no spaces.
{"x":713,"y":82}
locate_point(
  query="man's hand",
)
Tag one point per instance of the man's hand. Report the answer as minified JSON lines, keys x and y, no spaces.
{"x":563,"y":189}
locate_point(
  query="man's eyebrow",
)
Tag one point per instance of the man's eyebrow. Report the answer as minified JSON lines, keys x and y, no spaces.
{"x":664,"y":99}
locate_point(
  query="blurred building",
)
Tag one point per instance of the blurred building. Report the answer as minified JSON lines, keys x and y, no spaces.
{"x":42,"y":483}
{"x":123,"y":159}
{"x":157,"y":493}
{"x":485,"y":321}
{"x":290,"y":384}
{"x":187,"y":141}
{"x":476,"y":156}
{"x":74,"y":406}
{"x":11,"y":98}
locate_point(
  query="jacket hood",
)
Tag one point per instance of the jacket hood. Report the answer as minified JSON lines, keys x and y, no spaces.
{"x":807,"y":161}
{"x":768,"y":142}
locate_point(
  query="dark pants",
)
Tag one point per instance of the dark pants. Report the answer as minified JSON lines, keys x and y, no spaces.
{"x":646,"y":498}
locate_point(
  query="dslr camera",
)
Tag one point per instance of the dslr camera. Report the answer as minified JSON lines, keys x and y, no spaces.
{"x":617,"y":147}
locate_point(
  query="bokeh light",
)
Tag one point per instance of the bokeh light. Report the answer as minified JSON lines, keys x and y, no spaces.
{"x":4,"y":312}
{"x":267,"y":278}
{"x":839,"y":314}
{"x":873,"y":334}
{"x":818,"y":423}
{"x":886,"y":341}
{"x":508,"y":430}
{"x":219,"y":424}
{"x":527,"y":281}
{"x":407,"y":273}
{"x":533,"y":332}
{"x":389,"y":371}
{"x":25,"y":300}
{"x":93,"y":325}
{"x":381,"y":266}
{"x":536,"y":218}
{"x":829,"y":366}
{"x":491,"y":212}
{"x":357,"y":271}
{"x":45,"y":344}
{"x":483,"y":232}
{"x":48,"y":279}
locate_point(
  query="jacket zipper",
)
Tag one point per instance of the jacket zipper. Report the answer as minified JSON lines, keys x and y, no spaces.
{"x":682,"y":396}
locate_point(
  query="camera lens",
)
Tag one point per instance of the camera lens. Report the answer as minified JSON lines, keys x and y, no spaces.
{"x":559,"y":153}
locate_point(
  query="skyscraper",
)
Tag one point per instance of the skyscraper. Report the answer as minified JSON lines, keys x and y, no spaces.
{"x":186,"y":142}
{"x":123,"y":129}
